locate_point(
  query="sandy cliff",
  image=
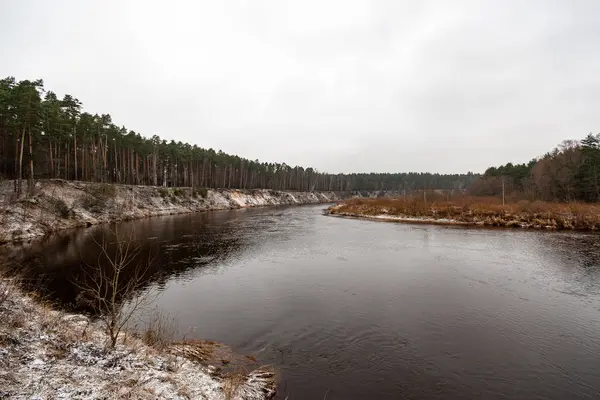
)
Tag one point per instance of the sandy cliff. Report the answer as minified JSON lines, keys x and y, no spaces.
{"x":58,"y":204}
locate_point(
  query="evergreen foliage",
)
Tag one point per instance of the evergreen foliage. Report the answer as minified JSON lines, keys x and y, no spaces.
{"x":43,"y":136}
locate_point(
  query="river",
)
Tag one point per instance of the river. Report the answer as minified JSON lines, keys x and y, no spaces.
{"x":351,"y":309}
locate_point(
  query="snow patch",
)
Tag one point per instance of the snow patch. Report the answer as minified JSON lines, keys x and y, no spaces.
{"x":59,"y":204}
{"x":45,"y":354}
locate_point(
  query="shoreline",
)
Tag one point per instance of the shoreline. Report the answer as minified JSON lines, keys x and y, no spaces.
{"x":60,"y":205}
{"x":46,"y":353}
{"x":506,"y":221}
{"x":41,"y":347}
{"x":399,"y":219}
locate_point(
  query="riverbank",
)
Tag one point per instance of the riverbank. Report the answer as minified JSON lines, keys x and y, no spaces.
{"x":49,"y":354}
{"x":473,"y":211}
{"x":58,"y":204}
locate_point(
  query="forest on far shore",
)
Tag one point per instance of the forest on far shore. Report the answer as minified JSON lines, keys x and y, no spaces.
{"x":570,"y":172}
{"x":43,"y":136}
{"x":46,"y":137}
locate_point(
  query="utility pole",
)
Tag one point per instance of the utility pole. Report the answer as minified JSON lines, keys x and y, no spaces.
{"x":502,"y":191}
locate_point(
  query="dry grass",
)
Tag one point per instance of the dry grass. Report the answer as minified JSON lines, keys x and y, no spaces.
{"x":44,"y":355}
{"x":8,"y":293}
{"x":242,"y":376}
{"x":259,"y":383}
{"x":161,"y":329}
{"x":233,"y":382}
{"x":5,"y":290}
{"x":487,"y":211}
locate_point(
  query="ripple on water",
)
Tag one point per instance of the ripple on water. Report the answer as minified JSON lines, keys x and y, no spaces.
{"x":352,"y":309}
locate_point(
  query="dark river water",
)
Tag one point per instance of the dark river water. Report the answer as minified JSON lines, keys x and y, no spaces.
{"x":350,"y":309}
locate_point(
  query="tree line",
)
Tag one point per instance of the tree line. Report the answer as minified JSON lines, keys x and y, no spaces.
{"x":570,"y":172}
{"x":47,"y":137}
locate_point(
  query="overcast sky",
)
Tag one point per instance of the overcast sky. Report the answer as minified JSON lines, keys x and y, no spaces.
{"x":343,"y":86}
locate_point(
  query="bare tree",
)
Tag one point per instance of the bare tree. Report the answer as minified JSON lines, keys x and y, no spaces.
{"x":112,"y":286}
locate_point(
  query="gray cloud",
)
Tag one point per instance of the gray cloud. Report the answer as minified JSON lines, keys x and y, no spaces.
{"x":344,"y":86}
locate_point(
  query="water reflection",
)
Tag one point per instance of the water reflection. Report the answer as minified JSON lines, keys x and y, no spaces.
{"x":576,"y":257}
{"x":357,"y":309}
{"x":175,"y":245}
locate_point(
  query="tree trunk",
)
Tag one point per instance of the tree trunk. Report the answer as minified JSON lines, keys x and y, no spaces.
{"x":51,"y":160}
{"x":105,"y":148}
{"x":84,"y":175}
{"x":20,"y":185}
{"x":137,"y":170}
{"x":230,"y":175}
{"x":192,"y":175}
{"x":115,"y":166}
{"x":154,"y":170}
{"x":67,"y":157}
{"x":30,"y":181}
{"x":596,"y":184}
{"x":16,"y":184}
{"x":75,"y":152}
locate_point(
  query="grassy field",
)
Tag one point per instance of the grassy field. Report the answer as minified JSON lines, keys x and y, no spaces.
{"x":483,"y":211}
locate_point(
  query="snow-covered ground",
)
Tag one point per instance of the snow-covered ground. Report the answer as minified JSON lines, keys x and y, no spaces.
{"x":401,"y":218}
{"x":48,"y":354}
{"x":59,"y":204}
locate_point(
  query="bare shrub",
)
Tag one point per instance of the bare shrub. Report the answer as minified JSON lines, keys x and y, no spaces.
{"x":98,"y":196}
{"x":60,"y":207}
{"x":179,"y":192}
{"x":113,"y":286}
{"x":202,"y":192}
{"x":164,"y":192}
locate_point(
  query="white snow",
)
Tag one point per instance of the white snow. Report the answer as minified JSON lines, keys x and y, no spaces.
{"x":415,"y":219}
{"x":46,"y":354}
{"x":26,"y":218}
{"x":397,"y":218}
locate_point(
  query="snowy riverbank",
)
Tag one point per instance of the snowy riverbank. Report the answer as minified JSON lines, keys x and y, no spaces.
{"x":58,"y":204}
{"x":49,"y":354}
{"x":397,"y":218}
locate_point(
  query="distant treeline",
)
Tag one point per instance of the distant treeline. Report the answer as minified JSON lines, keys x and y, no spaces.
{"x":43,"y":136}
{"x":571,"y":172}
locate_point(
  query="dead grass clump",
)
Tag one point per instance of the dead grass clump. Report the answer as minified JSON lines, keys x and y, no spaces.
{"x":15,"y":320}
{"x":58,"y":350}
{"x":161,"y":329}
{"x":233,"y":382}
{"x":8,"y":294}
{"x":259,"y":383}
{"x":5,"y":291}
{"x":201,"y":351}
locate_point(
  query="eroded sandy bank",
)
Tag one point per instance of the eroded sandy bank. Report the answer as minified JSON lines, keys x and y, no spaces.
{"x":58,"y":205}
